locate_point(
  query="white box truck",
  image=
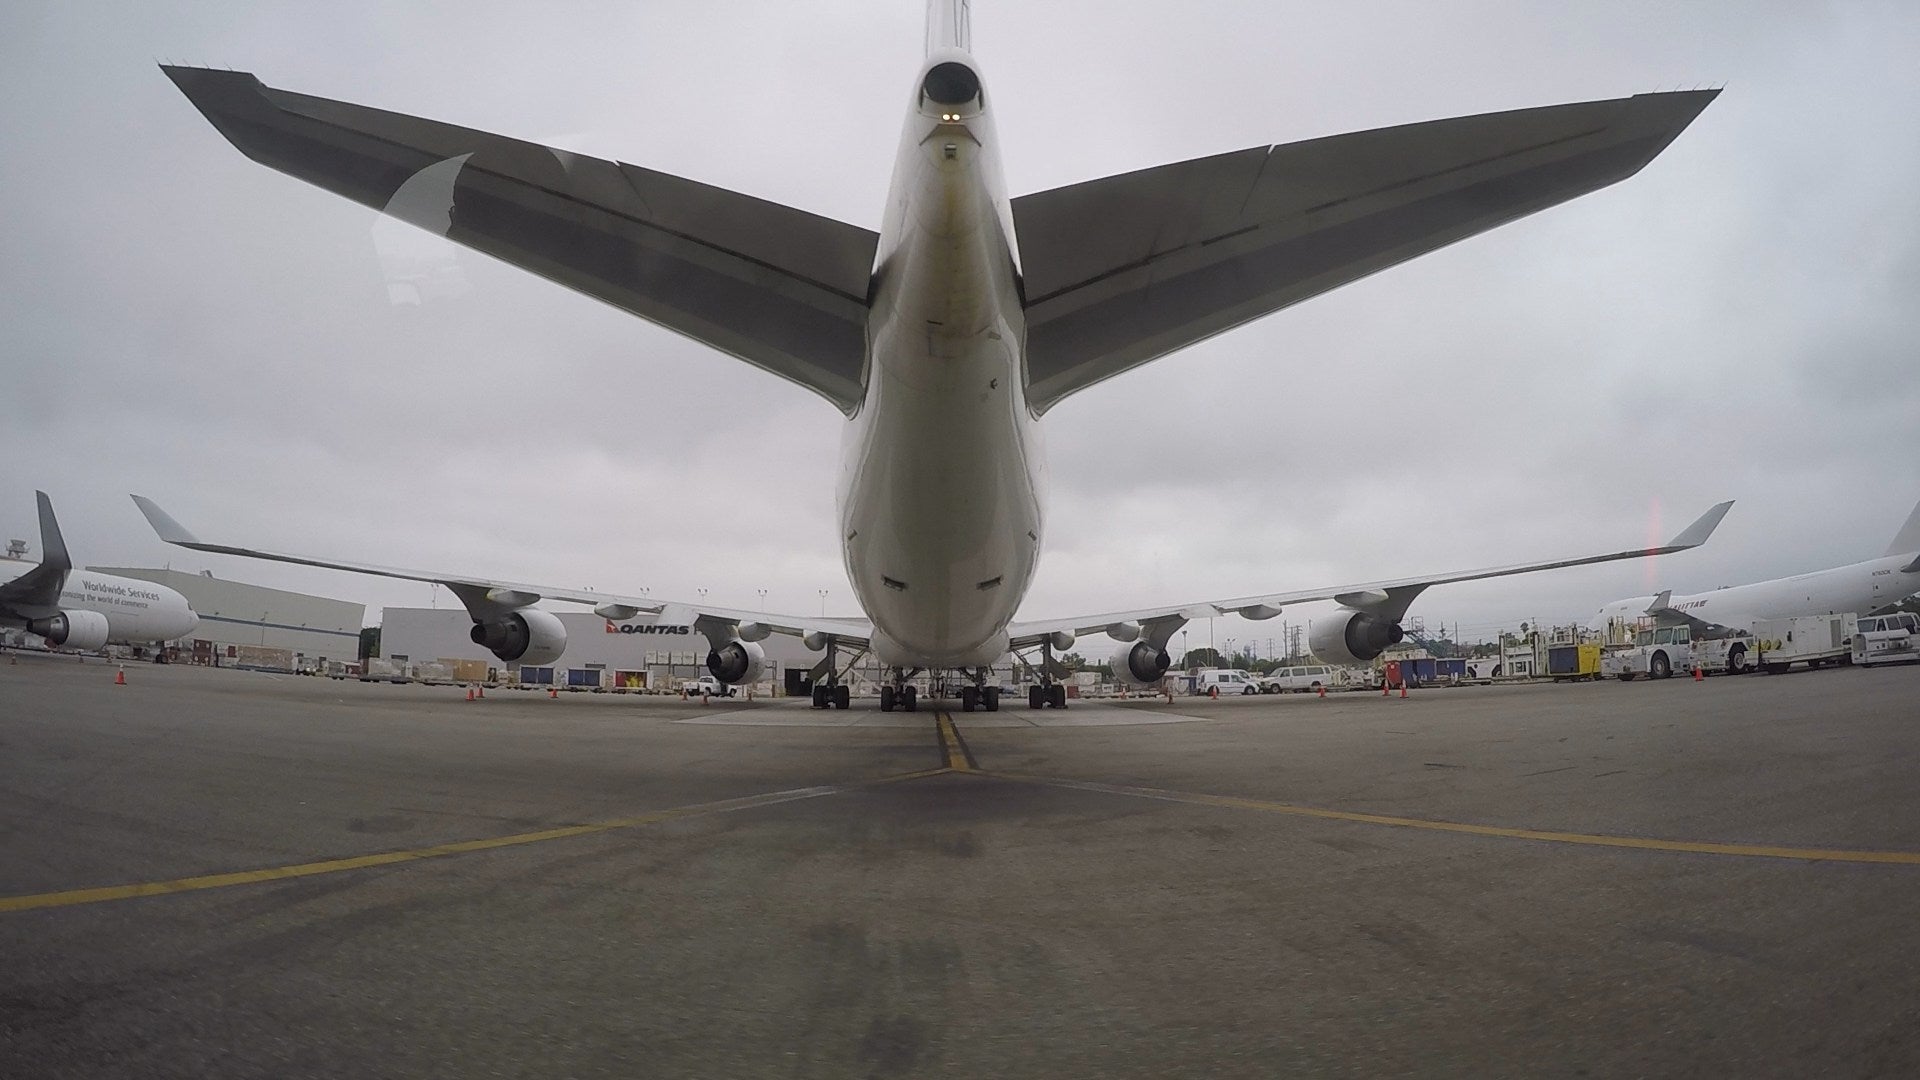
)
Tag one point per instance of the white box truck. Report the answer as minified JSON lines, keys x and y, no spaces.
{"x":1813,"y":640}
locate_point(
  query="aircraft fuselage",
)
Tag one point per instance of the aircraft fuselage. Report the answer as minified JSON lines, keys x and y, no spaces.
{"x":942,"y":477}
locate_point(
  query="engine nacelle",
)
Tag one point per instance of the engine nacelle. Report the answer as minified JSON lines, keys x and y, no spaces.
{"x":1351,"y":637}
{"x":1139,"y":663}
{"x":83,"y":630}
{"x":737,"y":662}
{"x":528,"y":636}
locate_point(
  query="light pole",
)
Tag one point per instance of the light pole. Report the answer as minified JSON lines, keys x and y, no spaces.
{"x":1230,"y":651}
{"x":763,"y":600}
{"x":823,"y":603}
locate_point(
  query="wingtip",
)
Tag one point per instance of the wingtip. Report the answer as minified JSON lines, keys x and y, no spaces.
{"x":1697,"y":533}
{"x":163,"y":524}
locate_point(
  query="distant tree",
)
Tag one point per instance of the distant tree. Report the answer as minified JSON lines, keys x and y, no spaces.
{"x":1202,"y":657}
{"x":1073,"y":661}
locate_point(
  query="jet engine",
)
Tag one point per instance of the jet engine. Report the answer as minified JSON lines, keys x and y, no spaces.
{"x":528,"y":636}
{"x":1351,"y":637}
{"x":1140,"y":663}
{"x":83,"y":630}
{"x":737,"y":662}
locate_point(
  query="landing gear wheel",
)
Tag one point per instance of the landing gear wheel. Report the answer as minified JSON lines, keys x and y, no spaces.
{"x":990,"y":697}
{"x":1036,"y":696}
{"x":1737,"y":660}
{"x":1057,"y":695}
{"x":909,"y":699}
{"x":969,"y":697}
{"x":842,"y":696}
{"x":886,"y":698}
{"x":820,"y":697}
{"x":1660,"y":667}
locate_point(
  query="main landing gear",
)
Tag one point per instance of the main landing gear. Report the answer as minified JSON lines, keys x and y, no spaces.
{"x":1044,"y":693}
{"x":898,"y":693}
{"x":831,"y":694}
{"x":1049,"y":695}
{"x":978,"y":695}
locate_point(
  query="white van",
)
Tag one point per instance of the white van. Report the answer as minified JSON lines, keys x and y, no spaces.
{"x":1226,"y":680}
{"x":1303,"y":680}
{"x":1887,"y":639}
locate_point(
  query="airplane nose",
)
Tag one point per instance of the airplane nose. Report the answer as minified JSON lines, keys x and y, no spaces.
{"x":189,"y":620}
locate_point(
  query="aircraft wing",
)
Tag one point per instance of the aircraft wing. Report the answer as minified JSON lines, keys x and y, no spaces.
{"x":780,"y":288}
{"x":1389,"y":599}
{"x":485,"y":595}
{"x":1126,"y":269}
{"x":36,"y":593}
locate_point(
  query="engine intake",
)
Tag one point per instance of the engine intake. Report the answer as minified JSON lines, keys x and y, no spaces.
{"x":1140,"y":663}
{"x":1352,"y":637}
{"x":83,"y":630}
{"x":737,"y":662}
{"x":528,"y":636}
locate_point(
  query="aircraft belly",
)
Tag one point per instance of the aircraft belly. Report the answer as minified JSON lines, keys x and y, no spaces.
{"x":943,"y":518}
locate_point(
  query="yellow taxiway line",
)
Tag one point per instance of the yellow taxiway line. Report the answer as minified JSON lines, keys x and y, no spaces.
{"x":1697,"y":847}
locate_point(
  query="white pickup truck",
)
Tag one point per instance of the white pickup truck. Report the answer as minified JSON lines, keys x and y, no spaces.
{"x":708,"y":686}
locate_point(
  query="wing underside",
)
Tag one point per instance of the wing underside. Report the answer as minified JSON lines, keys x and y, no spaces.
{"x":1126,"y":269}
{"x":780,"y":288}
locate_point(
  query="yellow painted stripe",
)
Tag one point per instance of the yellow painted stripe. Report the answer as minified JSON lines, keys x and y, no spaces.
{"x":950,"y":748}
{"x":1761,"y":851}
{"x":389,"y":858}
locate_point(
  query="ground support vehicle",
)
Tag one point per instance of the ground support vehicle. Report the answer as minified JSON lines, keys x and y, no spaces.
{"x":1574,"y":661}
{"x":1887,"y":639}
{"x":1656,"y":653}
{"x":1725,"y":656}
{"x":1815,"y":640}
{"x":708,"y":686}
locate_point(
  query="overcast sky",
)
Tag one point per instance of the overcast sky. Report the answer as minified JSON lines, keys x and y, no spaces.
{"x":1737,"y":321}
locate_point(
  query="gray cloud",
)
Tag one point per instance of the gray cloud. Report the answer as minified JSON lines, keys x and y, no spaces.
{"x":1737,"y":321}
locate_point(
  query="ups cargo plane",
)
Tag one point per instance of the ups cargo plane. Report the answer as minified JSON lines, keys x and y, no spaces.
{"x":946,"y":337}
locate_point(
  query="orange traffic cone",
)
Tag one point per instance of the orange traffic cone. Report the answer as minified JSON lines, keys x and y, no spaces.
{"x":1386,"y":690}
{"x":1213,"y":692}
{"x":1699,"y":675}
{"x":469,"y":693}
{"x":1403,"y":689}
{"x":480,"y":693}
{"x":1323,"y":689}
{"x":120,"y":677}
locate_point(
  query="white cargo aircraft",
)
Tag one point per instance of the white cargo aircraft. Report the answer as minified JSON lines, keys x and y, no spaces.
{"x":81,"y":609}
{"x":946,"y":336}
{"x":1863,"y":588}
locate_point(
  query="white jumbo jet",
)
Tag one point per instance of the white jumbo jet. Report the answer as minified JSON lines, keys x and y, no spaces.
{"x":945,"y":337}
{"x":81,"y":609}
{"x":1863,"y":588}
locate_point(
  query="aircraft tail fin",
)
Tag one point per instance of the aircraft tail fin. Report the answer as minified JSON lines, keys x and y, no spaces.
{"x":53,"y":547}
{"x":1908,"y":538}
{"x":949,"y":25}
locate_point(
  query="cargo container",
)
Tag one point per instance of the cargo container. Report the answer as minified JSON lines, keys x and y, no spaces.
{"x":1574,"y":661}
{"x":536,"y":676}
